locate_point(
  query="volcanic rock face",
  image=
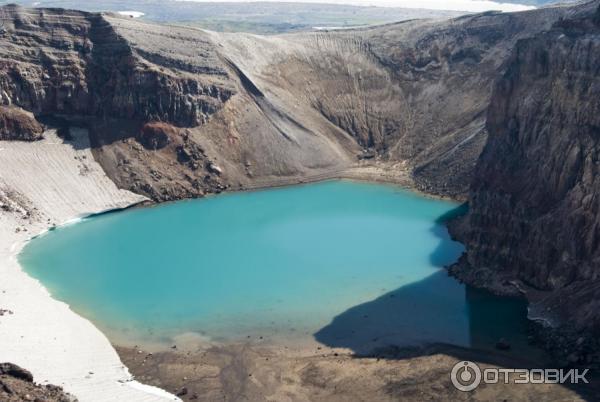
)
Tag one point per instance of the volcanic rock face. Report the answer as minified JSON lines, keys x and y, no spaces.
{"x":80,"y":67}
{"x":16,"y":384}
{"x":17,"y":124}
{"x":134,"y":81}
{"x":535,"y":198}
{"x":409,"y":96}
{"x":415,"y":92}
{"x":69,"y":62}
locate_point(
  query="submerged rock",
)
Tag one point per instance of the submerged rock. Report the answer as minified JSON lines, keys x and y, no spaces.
{"x":502,"y":344}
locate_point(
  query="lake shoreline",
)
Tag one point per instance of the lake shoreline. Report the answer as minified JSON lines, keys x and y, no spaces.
{"x":371,"y":173}
{"x":45,"y":185}
{"x":280,"y":223}
{"x":52,"y":354}
{"x":260,"y":372}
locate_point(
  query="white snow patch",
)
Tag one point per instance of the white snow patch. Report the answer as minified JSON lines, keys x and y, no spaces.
{"x":132,"y":14}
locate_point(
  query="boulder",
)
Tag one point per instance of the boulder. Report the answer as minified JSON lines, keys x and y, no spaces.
{"x":15,"y":371}
{"x":156,"y":135}
{"x":17,"y":124}
{"x":213,"y":168}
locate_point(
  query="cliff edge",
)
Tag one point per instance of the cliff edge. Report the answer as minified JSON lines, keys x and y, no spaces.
{"x":533,"y":224}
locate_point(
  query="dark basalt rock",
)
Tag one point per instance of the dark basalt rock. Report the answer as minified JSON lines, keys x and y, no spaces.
{"x":15,"y":371}
{"x":534,"y":212}
{"x":16,"y":384}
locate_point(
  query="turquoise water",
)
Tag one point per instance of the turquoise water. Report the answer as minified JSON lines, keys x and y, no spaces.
{"x":342,"y":262}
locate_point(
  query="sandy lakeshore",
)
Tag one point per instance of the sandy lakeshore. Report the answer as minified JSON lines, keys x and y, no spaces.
{"x":44,"y":184}
{"x":252,"y":371}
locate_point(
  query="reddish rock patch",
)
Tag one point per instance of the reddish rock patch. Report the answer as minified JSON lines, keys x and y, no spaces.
{"x":156,"y":135}
{"x":18,"y":124}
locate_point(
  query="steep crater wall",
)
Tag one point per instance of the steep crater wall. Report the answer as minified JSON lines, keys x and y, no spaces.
{"x":74,"y":63}
{"x":535,"y":198}
{"x":414,"y":92}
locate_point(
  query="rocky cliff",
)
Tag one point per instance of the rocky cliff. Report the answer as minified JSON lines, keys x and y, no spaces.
{"x":417,"y":91}
{"x":76,"y":67}
{"x":69,"y":62}
{"x":115,"y":76}
{"x":534,"y":202}
{"x":411,"y":94}
{"x":407,"y":97}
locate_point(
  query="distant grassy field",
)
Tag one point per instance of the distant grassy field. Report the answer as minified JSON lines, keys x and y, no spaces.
{"x":262,"y":18}
{"x":266,"y":27}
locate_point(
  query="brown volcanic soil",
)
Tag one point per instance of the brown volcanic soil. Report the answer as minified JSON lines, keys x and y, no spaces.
{"x":247,"y":372}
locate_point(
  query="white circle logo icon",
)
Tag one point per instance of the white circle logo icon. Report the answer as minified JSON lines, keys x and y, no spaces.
{"x":465,"y":376}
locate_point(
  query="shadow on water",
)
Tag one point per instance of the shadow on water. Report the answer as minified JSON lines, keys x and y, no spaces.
{"x":445,"y":252}
{"x":435,"y":310}
{"x":438,"y":315}
{"x":407,"y":316}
